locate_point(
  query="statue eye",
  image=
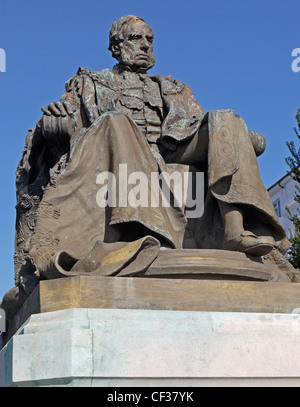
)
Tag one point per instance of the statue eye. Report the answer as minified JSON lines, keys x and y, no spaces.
{"x":135,"y":37}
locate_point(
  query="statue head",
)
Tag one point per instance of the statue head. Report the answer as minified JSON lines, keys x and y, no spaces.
{"x":131,"y":43}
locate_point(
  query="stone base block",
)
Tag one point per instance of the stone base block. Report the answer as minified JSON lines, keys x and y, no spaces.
{"x":157,"y":294}
{"x":122,"y":347}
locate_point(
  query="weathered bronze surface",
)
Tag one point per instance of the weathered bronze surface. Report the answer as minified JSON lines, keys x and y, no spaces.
{"x":150,"y":123}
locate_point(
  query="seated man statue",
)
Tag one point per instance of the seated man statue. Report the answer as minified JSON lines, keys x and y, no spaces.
{"x":109,"y":119}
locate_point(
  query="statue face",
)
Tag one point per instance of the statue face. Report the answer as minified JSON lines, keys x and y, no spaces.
{"x":136,"y":51}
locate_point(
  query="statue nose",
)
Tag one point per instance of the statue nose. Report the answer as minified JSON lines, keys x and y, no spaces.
{"x":144,"y":45}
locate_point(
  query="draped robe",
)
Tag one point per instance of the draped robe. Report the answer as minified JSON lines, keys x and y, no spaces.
{"x":72,"y":235}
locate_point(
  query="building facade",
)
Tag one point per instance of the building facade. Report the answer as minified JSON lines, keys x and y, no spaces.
{"x":282,"y":194}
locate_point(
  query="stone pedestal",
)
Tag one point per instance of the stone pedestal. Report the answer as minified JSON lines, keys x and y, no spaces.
{"x":135,"y":332}
{"x":101,"y":347}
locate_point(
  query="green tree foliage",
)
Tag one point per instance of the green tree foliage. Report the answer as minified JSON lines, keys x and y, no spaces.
{"x":294,"y":163}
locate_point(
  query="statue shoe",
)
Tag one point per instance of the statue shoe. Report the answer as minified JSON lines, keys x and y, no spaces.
{"x":249,"y":243}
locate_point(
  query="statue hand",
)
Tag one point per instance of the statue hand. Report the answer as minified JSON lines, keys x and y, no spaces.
{"x":58,"y":109}
{"x":58,"y":118}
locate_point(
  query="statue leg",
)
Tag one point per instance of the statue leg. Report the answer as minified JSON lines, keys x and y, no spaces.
{"x":236,"y":238}
{"x":250,"y":222}
{"x":82,"y":211}
{"x":224,"y":150}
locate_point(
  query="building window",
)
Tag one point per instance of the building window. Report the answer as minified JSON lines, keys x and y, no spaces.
{"x":277,"y":208}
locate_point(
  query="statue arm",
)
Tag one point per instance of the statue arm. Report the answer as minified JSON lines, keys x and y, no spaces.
{"x":63,"y":117}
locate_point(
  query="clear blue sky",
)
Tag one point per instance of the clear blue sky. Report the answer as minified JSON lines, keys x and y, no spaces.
{"x":233,"y":54}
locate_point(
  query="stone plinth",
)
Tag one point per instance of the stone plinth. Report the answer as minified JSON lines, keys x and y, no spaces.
{"x":108,"y":347}
{"x":106,"y":331}
{"x":158,"y":294}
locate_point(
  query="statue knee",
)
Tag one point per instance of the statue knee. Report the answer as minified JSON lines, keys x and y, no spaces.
{"x":114,"y":115}
{"x":258,"y":141}
{"x":116,"y":119}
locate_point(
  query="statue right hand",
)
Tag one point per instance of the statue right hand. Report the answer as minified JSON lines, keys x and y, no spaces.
{"x":58,"y":118}
{"x":58,"y":109}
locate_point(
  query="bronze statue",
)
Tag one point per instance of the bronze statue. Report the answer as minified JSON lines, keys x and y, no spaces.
{"x":152,"y":124}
